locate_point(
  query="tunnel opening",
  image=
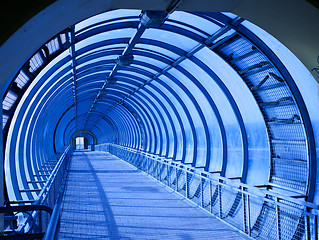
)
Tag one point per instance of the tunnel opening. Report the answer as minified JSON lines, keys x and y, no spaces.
{"x":83,"y":140}
{"x":81,"y":143}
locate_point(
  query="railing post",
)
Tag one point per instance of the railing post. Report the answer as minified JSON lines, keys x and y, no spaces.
{"x":316,"y":226}
{"x":211,"y":196}
{"x":244,"y":210}
{"x":202,"y":190}
{"x":278,"y":219}
{"x":1,"y":172}
{"x":248,"y":213}
{"x":220,"y":201}
{"x":176,"y":182}
{"x":157,"y":170}
{"x":168,"y":174}
{"x":307,"y":224}
{"x":186,"y":187}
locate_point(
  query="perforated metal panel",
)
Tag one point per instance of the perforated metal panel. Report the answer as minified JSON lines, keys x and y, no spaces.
{"x":285,"y":128}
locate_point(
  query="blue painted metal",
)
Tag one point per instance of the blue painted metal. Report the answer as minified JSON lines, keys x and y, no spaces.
{"x":172,"y":128}
{"x":181,"y":124}
{"x":113,"y":126}
{"x":143,"y":98}
{"x":236,"y":111}
{"x":122,"y":127}
{"x":74,"y":73}
{"x":301,"y":105}
{"x":156,"y":126}
{"x":294,"y":91}
{"x":189,"y":118}
{"x":201,"y":114}
{"x":124,"y":121}
{"x":183,"y":32}
{"x":188,"y":93}
{"x":129,"y":89}
{"x":126,"y":116}
{"x":147,"y":20}
{"x":149,"y":126}
{"x":219,"y":120}
{"x":115,"y":26}
{"x":46,"y":60}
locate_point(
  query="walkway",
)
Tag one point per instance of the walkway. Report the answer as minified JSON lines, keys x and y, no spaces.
{"x":107,"y":198}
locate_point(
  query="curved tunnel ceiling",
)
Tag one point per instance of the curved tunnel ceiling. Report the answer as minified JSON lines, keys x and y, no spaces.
{"x":200,"y":88}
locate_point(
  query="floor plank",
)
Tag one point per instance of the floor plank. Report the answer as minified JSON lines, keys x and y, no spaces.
{"x":107,"y":198}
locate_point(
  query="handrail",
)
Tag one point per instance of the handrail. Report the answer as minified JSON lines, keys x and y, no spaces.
{"x":52,"y":228}
{"x":220,"y":180}
{"x":250,"y":209}
{"x":55,"y":217}
{"x":42,"y":195}
{"x":56,"y":185}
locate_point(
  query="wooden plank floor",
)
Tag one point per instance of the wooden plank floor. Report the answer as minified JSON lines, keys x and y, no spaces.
{"x":107,"y":198}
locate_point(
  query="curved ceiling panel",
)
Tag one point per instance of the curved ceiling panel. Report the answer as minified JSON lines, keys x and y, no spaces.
{"x":197,"y":88}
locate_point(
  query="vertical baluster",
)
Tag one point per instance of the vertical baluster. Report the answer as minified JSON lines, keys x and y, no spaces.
{"x":211,"y":196}
{"x":278,"y":219}
{"x":202,"y":191}
{"x":307,"y":225}
{"x":176,"y":182}
{"x":220,"y":200}
{"x":244,"y":209}
{"x":316,"y":226}
{"x":248,"y":213}
{"x":186,"y":187}
{"x":168,"y":175}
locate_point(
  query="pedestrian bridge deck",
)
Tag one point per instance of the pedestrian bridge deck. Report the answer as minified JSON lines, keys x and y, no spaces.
{"x":107,"y":198}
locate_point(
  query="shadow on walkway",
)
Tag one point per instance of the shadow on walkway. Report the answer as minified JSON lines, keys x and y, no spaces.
{"x":107,"y":198}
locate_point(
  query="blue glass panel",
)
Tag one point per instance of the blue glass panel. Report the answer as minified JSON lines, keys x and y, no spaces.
{"x":194,"y":20}
{"x":204,"y":106}
{"x":186,"y":28}
{"x":162,"y":116}
{"x":178,"y":143}
{"x":109,"y":57}
{"x":141,"y":76}
{"x":194,"y":115}
{"x":163,"y":51}
{"x":154,"y":119}
{"x":154,"y":62}
{"x":150,"y":144}
{"x":186,"y":125}
{"x":144,"y":68}
{"x":169,"y":37}
{"x":107,"y":16}
{"x":99,"y":49}
{"x":114,"y":34}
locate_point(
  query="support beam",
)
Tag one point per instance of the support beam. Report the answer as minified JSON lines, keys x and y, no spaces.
{"x":2,"y":169}
{"x":148,"y":19}
{"x":73,"y":67}
{"x":197,"y":48}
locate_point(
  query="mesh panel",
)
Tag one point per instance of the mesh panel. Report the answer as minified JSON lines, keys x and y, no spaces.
{"x":265,"y":226}
{"x":277,"y":104}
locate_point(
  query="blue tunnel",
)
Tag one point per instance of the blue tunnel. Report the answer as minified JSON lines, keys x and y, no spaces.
{"x":206,"y":90}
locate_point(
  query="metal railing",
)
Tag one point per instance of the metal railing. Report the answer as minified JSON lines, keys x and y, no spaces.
{"x":35,"y":218}
{"x":102,"y":147}
{"x":259,"y":213}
